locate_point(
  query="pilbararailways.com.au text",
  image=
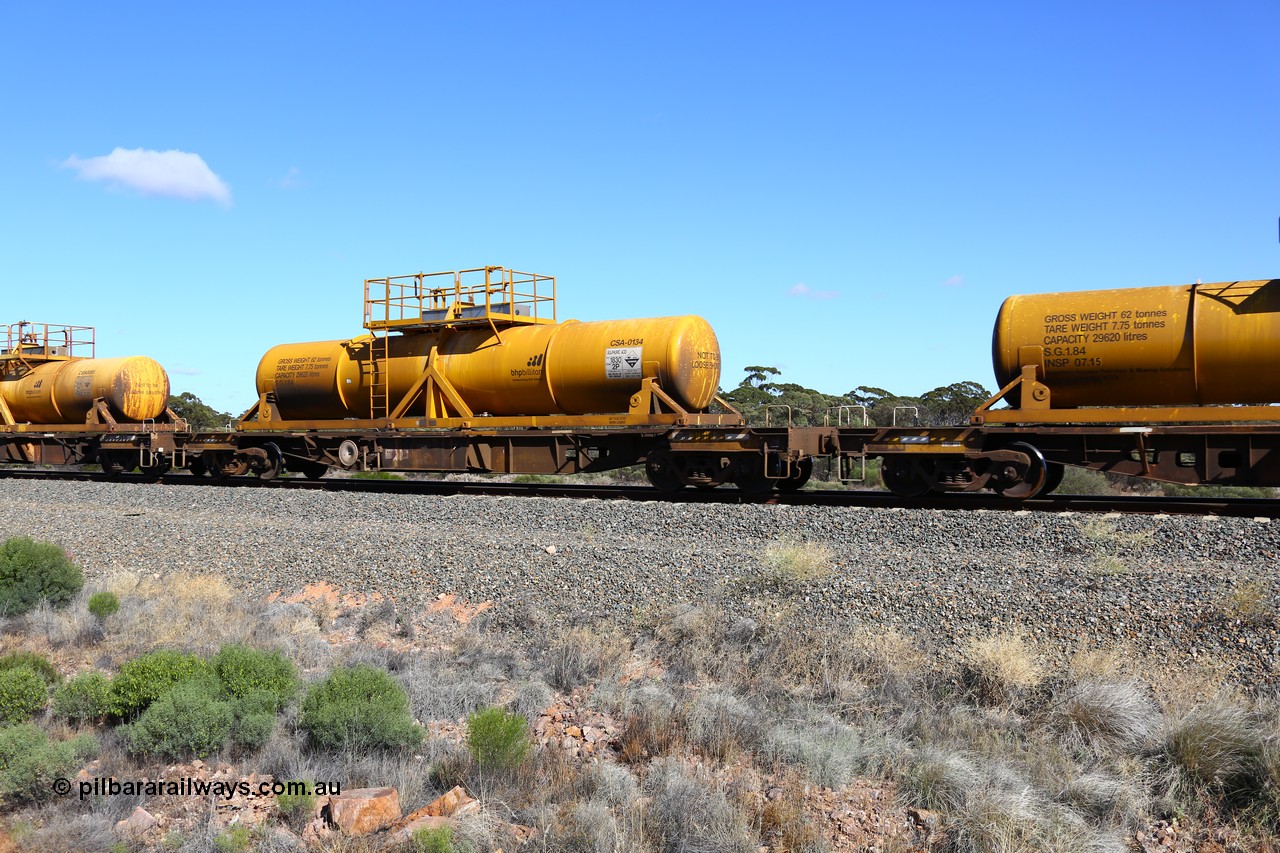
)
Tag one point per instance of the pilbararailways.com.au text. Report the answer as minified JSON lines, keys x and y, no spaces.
{"x":109,"y":786}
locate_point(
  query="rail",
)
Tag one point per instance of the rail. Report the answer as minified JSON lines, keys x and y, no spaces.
{"x":1226,"y":507}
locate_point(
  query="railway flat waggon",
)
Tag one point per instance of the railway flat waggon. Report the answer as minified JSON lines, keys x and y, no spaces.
{"x":60,"y":404}
{"x":1178,"y":384}
{"x":472,"y":371}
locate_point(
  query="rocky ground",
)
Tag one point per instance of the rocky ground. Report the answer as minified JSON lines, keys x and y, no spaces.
{"x":1183,"y":590}
{"x":1179,"y":593}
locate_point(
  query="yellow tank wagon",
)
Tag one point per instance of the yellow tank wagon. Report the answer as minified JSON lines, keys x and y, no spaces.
{"x":473,"y":371}
{"x":60,"y":404}
{"x":43,"y":382}
{"x":1197,"y":352}
{"x":568,"y":368}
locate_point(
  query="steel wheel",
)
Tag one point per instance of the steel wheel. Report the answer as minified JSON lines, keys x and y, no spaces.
{"x":274,"y":463}
{"x":800,"y":474}
{"x":1031,"y":481}
{"x":660,"y":469}
{"x":112,"y":463}
{"x":901,"y":477}
{"x":313,"y":470}
{"x":157,"y":469}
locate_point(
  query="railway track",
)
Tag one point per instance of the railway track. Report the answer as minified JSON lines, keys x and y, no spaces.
{"x":964,"y":502}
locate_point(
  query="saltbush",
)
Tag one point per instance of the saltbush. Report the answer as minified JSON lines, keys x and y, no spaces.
{"x":497,"y":739}
{"x":297,"y":808}
{"x":83,"y":698}
{"x":37,"y":662}
{"x":103,"y":604}
{"x":244,"y":671}
{"x":189,"y":719}
{"x":359,"y":707}
{"x":22,"y":693}
{"x":29,"y":762}
{"x":144,"y":679}
{"x":31,"y":571}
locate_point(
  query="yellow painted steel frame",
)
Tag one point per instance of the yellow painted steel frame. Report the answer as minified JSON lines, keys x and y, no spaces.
{"x":1037,"y":399}
{"x":490,"y":295}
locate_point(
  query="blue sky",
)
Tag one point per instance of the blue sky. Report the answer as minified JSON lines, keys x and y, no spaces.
{"x":846,"y":191}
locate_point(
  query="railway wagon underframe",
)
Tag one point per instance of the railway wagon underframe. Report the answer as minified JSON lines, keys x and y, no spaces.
{"x":154,"y":447}
{"x":1023,"y":461}
{"x":533,"y":451}
{"x":701,"y":456}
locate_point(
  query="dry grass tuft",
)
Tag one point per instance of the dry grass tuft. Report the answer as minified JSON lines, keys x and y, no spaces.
{"x":197,"y":613}
{"x":1100,"y":664}
{"x":650,"y":725}
{"x":1003,"y":667}
{"x":1110,"y":546}
{"x":1250,"y":603}
{"x":939,"y":779}
{"x":791,"y":563}
{"x":1216,"y":752}
{"x":824,"y":750}
{"x":581,"y":655}
{"x":722,"y":725}
{"x":688,"y":811}
{"x":1107,"y":716}
{"x":781,"y":820}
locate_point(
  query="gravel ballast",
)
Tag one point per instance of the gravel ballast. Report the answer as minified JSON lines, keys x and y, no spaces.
{"x":1180,"y":589}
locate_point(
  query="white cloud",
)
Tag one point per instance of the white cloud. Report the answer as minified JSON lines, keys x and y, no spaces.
{"x":292,"y":179}
{"x":954,"y":281}
{"x":171,"y":174}
{"x":186,"y":371}
{"x":804,"y":291}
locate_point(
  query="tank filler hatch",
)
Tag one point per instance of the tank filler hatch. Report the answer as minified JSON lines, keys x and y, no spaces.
{"x":27,"y":344}
{"x":485,"y":296}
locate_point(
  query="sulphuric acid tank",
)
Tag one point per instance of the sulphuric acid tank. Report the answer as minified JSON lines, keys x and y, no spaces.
{"x":569,"y":368}
{"x":1150,"y":346}
{"x":135,"y":388}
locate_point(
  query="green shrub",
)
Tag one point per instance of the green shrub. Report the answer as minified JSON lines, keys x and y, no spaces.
{"x":29,"y":762}
{"x":244,"y":671}
{"x":85,"y":697}
{"x":359,"y":707}
{"x":103,"y":604}
{"x":234,"y":840}
{"x":253,"y":730}
{"x":39,"y":663}
{"x":497,"y":740}
{"x":191,"y":718}
{"x":144,"y":679}
{"x":31,"y":571}
{"x":297,"y":808}
{"x":22,"y":693}
{"x":428,"y":839}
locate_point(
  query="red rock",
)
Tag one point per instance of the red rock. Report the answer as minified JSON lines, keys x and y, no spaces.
{"x":404,"y":831}
{"x":316,"y":832}
{"x":137,"y":824}
{"x":364,"y":810}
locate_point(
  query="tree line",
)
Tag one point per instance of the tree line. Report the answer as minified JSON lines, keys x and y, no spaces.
{"x":761,"y":397}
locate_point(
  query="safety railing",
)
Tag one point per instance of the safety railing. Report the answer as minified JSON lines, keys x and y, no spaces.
{"x":484,"y":295}
{"x":45,"y":341}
